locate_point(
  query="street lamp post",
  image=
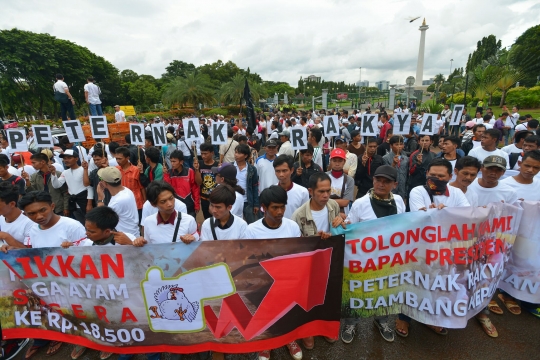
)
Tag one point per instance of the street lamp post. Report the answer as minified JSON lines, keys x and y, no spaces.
{"x":451,"y":60}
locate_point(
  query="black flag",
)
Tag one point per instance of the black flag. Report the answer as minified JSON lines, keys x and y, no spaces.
{"x":249,"y":107}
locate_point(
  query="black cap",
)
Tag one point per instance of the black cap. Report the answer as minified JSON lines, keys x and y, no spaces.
{"x":271,"y":142}
{"x":228,"y":171}
{"x":386,"y":171}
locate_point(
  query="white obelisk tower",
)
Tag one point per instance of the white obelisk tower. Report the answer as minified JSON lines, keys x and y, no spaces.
{"x":420,"y":64}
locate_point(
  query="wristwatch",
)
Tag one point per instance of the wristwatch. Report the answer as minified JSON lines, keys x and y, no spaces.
{"x":100,"y":201}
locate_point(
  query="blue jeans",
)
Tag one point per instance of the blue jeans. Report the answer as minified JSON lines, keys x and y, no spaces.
{"x":95,"y":109}
{"x":249,"y":216}
{"x":149,"y":356}
{"x":188,"y":161}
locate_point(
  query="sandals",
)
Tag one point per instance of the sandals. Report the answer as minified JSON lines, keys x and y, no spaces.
{"x":78,"y":350}
{"x":511,"y":305}
{"x":105,"y":355}
{"x":54,"y":347}
{"x":442,"y":331}
{"x":402,"y":328}
{"x":32,"y":350}
{"x":488,"y":327}
{"x":495,"y":308}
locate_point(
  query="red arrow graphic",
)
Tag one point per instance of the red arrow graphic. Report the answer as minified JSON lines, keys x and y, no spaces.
{"x":298,"y":279}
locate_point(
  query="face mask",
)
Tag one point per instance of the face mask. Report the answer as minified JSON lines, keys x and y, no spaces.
{"x":436,"y":186}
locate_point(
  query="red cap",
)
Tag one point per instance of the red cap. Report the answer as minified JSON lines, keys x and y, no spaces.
{"x":338,"y":153}
{"x":235,"y":128}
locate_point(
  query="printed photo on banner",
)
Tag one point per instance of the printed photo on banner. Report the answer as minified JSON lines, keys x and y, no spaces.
{"x":99,"y":127}
{"x":74,"y":131}
{"x":136,"y":132}
{"x":42,"y":136}
{"x":331,"y":125}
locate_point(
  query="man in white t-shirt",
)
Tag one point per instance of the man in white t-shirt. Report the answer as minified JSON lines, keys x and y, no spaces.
{"x":378,"y":202}
{"x":161,"y":227}
{"x":525,"y":184}
{"x":297,"y":195}
{"x":122,"y":199}
{"x":286,"y":147}
{"x":488,"y":188}
{"x":517,"y":146}
{"x":222,"y":225}
{"x":64,"y":97}
{"x":119,"y":115}
{"x":49,"y":230}
{"x":14,"y":225}
{"x":488,"y":147}
{"x":465,"y":172}
{"x":275,"y":226}
{"x":436,"y":193}
{"x":265,"y":167}
{"x":91,"y":94}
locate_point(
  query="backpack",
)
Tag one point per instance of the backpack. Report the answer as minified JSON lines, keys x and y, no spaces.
{"x":467,"y":146}
{"x":513,"y":159}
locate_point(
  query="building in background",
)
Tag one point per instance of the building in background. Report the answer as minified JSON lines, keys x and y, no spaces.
{"x":382,"y":85}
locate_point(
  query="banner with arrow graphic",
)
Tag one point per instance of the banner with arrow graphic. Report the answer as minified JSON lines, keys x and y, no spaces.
{"x":232,"y":296}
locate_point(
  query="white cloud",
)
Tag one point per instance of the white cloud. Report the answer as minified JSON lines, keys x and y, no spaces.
{"x":281,"y":40}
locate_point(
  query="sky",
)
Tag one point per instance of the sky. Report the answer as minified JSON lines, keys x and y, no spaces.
{"x":280,"y":40}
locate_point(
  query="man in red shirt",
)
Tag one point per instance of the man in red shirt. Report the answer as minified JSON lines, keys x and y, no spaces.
{"x":385,"y":127}
{"x":130,"y":177}
{"x":182,"y":179}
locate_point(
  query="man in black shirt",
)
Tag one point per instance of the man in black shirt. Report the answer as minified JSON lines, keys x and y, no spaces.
{"x":204,"y":177}
{"x":367,"y":165}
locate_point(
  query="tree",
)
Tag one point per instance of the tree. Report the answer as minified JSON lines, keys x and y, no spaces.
{"x":233,"y":91}
{"x":509,"y":77}
{"x":176,"y":69}
{"x":195,"y":88}
{"x":280,"y":88}
{"x":525,"y":55}
{"x":29,"y":62}
{"x":485,"y":48}
{"x":143,"y":92}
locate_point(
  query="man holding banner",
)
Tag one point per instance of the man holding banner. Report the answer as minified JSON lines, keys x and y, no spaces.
{"x":378,"y":202}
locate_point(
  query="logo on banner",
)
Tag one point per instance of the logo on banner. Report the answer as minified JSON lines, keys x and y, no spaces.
{"x":173,"y":304}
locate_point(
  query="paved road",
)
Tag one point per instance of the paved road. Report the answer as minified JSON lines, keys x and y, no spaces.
{"x":518,"y":339}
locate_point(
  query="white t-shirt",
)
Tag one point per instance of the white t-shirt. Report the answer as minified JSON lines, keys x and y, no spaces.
{"x":163,"y":233}
{"x":66,"y":229}
{"x":241,"y":176}
{"x":501,"y":192}
{"x":120,"y":116}
{"x":476,"y":144}
{"x":521,"y":127}
{"x":237,"y":230}
{"x":238,"y":206}
{"x":148,"y":209}
{"x":19,"y":228}
{"x":60,"y":86}
{"x":472,"y":197}
{"x":481,"y":154}
{"x":257,"y":230}
{"x":361,"y":209}
{"x":125,"y":205}
{"x":74,"y":180}
{"x":528,"y":192}
{"x":512,"y":148}
{"x":419,"y":198}
{"x":438,"y":125}
{"x":317,"y":156}
{"x":267,"y":175}
{"x":512,"y":120}
{"x":321,"y":219}
{"x":93,"y":93}
{"x":297,"y":196}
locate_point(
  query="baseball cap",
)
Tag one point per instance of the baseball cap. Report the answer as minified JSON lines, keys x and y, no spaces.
{"x":470,"y":124}
{"x":285,"y":133}
{"x":228,"y":171}
{"x":495,"y":160}
{"x":69,"y":152}
{"x":386,"y":171}
{"x":341,"y":138}
{"x":271,"y":142}
{"x":110,"y":174}
{"x":345,"y":121}
{"x":47,"y":152}
{"x":235,"y":128}
{"x":338,"y":153}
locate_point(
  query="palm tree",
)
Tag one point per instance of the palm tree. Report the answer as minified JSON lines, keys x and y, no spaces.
{"x":232,"y":92}
{"x":438,"y":80}
{"x":509,"y":77}
{"x":195,"y":88}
